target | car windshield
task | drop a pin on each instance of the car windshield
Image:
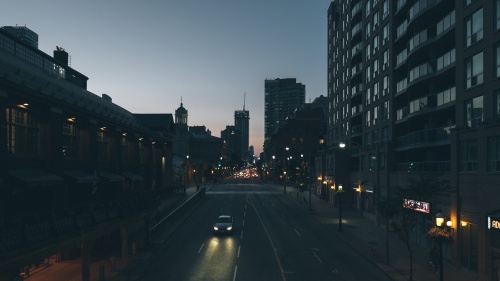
(224, 220)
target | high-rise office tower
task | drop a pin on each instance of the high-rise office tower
(282, 97)
(414, 92)
(241, 123)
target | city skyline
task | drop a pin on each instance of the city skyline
(146, 57)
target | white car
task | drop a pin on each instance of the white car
(224, 224)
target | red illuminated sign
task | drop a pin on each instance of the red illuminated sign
(416, 205)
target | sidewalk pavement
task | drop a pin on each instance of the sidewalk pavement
(72, 270)
(364, 236)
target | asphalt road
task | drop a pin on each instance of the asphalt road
(273, 239)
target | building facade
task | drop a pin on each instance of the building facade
(413, 90)
(69, 160)
(281, 98)
(242, 123)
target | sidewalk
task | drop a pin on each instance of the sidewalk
(367, 238)
(72, 270)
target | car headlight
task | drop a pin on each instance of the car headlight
(216, 228)
(229, 228)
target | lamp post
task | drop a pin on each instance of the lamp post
(343, 145)
(339, 194)
(439, 223)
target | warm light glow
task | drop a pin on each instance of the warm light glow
(140, 139)
(103, 128)
(439, 219)
(319, 178)
(332, 187)
(340, 187)
(72, 119)
(124, 134)
(449, 223)
(463, 223)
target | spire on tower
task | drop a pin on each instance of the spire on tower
(244, 96)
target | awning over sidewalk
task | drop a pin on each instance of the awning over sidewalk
(80, 177)
(110, 177)
(35, 177)
(132, 177)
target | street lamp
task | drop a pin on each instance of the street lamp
(439, 223)
(342, 145)
(339, 194)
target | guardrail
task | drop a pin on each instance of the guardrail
(180, 210)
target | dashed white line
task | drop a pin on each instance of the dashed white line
(320, 261)
(297, 232)
(202, 245)
(244, 213)
(235, 271)
(239, 248)
(241, 236)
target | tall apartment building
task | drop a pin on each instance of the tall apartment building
(282, 97)
(413, 90)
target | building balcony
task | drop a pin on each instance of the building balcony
(424, 138)
(423, 167)
(425, 103)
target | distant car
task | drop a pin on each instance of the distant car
(224, 224)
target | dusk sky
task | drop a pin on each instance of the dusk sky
(148, 54)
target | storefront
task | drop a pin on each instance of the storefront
(493, 228)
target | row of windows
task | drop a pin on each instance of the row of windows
(25, 135)
(30, 56)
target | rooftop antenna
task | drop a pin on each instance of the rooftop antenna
(244, 96)
(181, 100)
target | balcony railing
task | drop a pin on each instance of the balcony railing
(424, 137)
(417, 167)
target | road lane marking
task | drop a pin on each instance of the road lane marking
(245, 214)
(297, 232)
(243, 222)
(235, 271)
(320, 261)
(274, 205)
(270, 241)
(202, 245)
(335, 271)
(239, 248)
(241, 237)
